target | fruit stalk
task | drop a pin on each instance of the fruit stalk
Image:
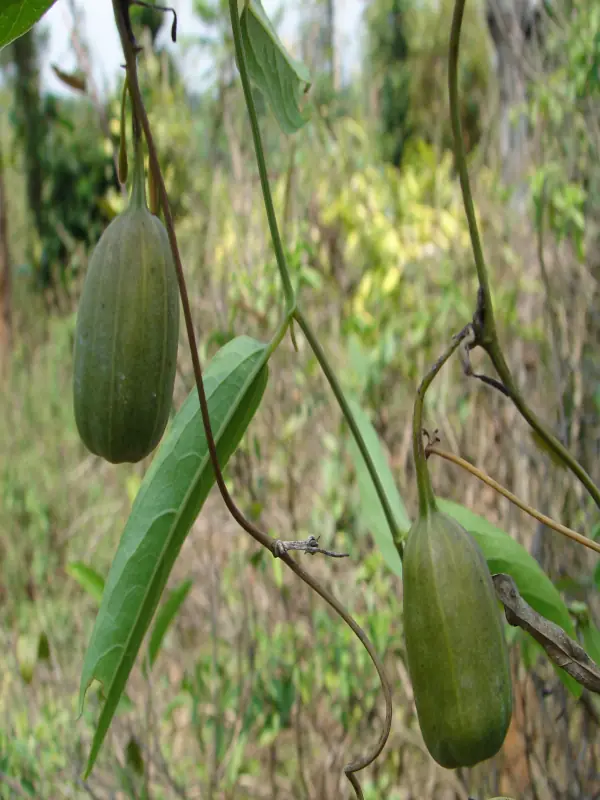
(455, 646)
(427, 502)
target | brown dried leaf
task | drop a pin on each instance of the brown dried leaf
(560, 648)
(76, 80)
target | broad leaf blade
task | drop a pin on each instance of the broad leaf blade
(504, 554)
(170, 497)
(89, 580)
(591, 640)
(18, 16)
(281, 78)
(532, 650)
(164, 618)
(370, 511)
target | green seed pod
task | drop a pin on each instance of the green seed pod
(457, 653)
(126, 334)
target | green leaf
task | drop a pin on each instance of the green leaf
(170, 497)
(89, 580)
(281, 78)
(370, 511)
(133, 756)
(504, 554)
(591, 640)
(18, 16)
(164, 618)
(533, 649)
(43, 647)
(597, 575)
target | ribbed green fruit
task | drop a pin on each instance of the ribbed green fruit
(126, 335)
(457, 653)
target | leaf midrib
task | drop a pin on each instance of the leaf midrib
(135, 627)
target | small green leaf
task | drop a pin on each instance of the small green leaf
(133, 756)
(281, 78)
(170, 497)
(43, 652)
(504, 554)
(164, 618)
(18, 16)
(89, 580)
(370, 511)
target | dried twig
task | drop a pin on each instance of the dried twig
(431, 449)
(560, 648)
(310, 546)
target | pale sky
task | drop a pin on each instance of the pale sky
(106, 53)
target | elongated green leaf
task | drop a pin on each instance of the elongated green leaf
(164, 618)
(591, 640)
(170, 497)
(370, 511)
(18, 16)
(281, 78)
(532, 650)
(504, 554)
(597, 575)
(89, 580)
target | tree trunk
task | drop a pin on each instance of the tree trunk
(30, 125)
(512, 25)
(318, 49)
(330, 42)
(5, 280)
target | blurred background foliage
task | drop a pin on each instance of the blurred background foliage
(258, 692)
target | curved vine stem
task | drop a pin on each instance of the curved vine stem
(427, 502)
(359, 763)
(487, 336)
(293, 308)
(315, 345)
(129, 48)
(288, 290)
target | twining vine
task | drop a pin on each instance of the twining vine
(484, 325)
(481, 332)
(277, 548)
(431, 628)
